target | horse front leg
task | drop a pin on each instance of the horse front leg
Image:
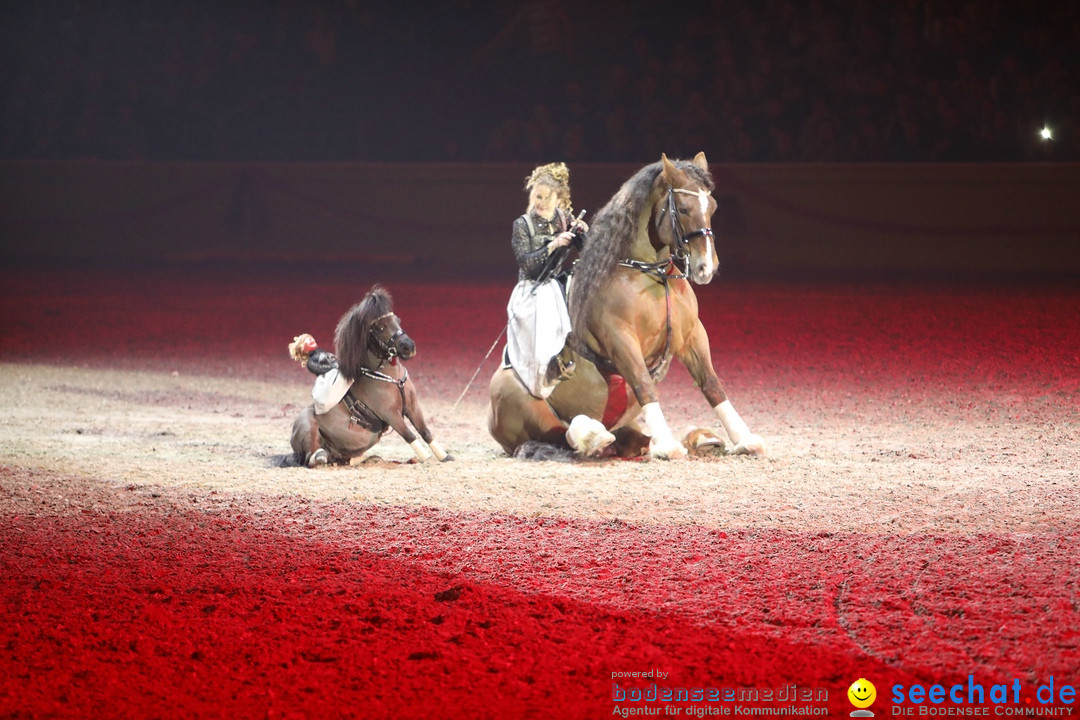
(419, 447)
(631, 365)
(416, 416)
(390, 406)
(698, 361)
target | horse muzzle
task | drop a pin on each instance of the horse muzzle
(405, 347)
(701, 272)
(700, 251)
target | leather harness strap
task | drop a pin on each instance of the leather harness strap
(361, 414)
(664, 272)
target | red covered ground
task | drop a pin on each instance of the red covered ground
(148, 602)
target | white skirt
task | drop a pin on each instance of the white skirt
(328, 390)
(537, 326)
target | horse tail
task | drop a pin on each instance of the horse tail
(539, 451)
(294, 459)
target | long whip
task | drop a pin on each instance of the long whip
(552, 264)
(490, 350)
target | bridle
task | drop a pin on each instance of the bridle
(681, 251)
(385, 349)
(359, 412)
(663, 272)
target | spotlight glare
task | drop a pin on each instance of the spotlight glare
(1045, 134)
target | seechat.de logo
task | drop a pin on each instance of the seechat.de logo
(862, 694)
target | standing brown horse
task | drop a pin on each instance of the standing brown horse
(632, 310)
(375, 395)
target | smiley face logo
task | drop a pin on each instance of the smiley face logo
(862, 693)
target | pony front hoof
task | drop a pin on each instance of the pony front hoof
(667, 451)
(318, 458)
(588, 436)
(751, 445)
(447, 458)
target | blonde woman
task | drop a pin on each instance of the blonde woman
(537, 315)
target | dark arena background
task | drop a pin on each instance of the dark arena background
(187, 186)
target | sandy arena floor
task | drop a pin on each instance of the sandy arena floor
(915, 520)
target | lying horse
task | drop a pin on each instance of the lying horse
(362, 392)
(632, 309)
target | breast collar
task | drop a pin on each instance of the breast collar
(360, 413)
(664, 272)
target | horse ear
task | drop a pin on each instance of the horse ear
(668, 167)
(700, 161)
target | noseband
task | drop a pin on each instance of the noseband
(681, 250)
(386, 349)
(662, 273)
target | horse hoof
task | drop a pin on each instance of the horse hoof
(317, 458)
(751, 445)
(704, 442)
(447, 458)
(588, 436)
(674, 451)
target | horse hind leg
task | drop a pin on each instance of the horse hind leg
(587, 436)
(630, 442)
(512, 430)
(306, 444)
(515, 417)
(705, 442)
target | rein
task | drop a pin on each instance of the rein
(682, 239)
(383, 377)
(658, 270)
(661, 272)
(359, 412)
(388, 347)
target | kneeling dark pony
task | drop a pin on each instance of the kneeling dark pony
(362, 391)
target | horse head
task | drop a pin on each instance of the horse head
(388, 340)
(369, 334)
(682, 216)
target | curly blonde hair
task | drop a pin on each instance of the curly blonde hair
(554, 175)
(300, 348)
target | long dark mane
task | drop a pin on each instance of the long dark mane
(354, 327)
(612, 233)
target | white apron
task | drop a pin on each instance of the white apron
(328, 390)
(537, 326)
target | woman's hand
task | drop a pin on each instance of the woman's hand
(561, 240)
